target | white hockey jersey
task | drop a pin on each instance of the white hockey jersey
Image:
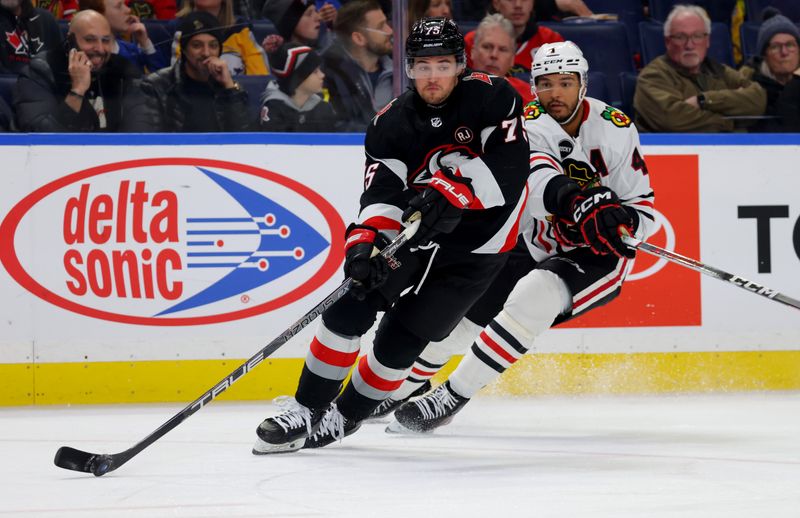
(606, 152)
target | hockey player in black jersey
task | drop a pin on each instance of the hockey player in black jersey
(452, 150)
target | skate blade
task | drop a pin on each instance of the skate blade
(265, 448)
(396, 427)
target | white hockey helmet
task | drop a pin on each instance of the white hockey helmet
(562, 57)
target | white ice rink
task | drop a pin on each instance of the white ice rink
(677, 456)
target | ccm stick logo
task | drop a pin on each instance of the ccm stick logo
(752, 286)
(171, 241)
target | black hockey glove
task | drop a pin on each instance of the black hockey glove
(367, 272)
(567, 233)
(440, 205)
(599, 215)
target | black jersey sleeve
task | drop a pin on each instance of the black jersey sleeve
(499, 174)
(385, 172)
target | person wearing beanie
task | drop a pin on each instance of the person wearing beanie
(296, 20)
(775, 68)
(240, 50)
(197, 94)
(292, 102)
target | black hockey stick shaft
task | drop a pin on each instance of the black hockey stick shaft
(100, 464)
(696, 265)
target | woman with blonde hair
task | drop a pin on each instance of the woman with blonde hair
(239, 49)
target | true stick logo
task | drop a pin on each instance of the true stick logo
(172, 241)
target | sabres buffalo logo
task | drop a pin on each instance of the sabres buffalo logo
(581, 172)
(533, 110)
(446, 155)
(616, 117)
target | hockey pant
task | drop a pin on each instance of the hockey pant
(526, 299)
(444, 285)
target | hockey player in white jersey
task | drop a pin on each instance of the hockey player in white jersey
(588, 183)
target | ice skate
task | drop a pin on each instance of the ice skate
(333, 427)
(428, 412)
(388, 406)
(288, 430)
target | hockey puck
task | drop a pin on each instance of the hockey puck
(101, 465)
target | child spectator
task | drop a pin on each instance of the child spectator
(125, 26)
(293, 103)
(296, 20)
(239, 50)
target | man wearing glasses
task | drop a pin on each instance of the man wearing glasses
(358, 64)
(684, 90)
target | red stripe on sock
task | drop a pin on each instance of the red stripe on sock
(426, 374)
(494, 346)
(375, 381)
(603, 287)
(331, 356)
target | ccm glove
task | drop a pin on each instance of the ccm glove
(599, 215)
(440, 205)
(367, 272)
(567, 233)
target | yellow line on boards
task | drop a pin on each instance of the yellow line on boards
(540, 374)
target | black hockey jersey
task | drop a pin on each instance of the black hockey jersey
(478, 132)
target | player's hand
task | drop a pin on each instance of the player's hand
(599, 215)
(79, 68)
(218, 70)
(567, 233)
(367, 271)
(440, 205)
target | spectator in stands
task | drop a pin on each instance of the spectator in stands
(493, 52)
(293, 103)
(239, 50)
(82, 88)
(25, 30)
(418, 9)
(357, 65)
(6, 117)
(296, 20)
(153, 9)
(197, 93)
(125, 26)
(529, 35)
(60, 9)
(686, 91)
(556, 10)
(776, 68)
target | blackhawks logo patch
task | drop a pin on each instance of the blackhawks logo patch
(616, 117)
(533, 110)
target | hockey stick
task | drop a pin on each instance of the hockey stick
(696, 265)
(100, 464)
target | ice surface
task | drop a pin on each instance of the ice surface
(727, 455)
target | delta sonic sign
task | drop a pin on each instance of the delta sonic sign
(172, 241)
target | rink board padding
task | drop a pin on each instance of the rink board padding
(138, 268)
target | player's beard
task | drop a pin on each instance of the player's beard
(566, 111)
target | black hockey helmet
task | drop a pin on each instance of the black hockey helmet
(434, 37)
(437, 36)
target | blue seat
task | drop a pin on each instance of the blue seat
(789, 8)
(597, 86)
(652, 35)
(748, 33)
(718, 10)
(262, 28)
(627, 85)
(7, 82)
(161, 34)
(630, 13)
(254, 86)
(605, 46)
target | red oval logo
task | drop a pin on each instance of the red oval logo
(174, 241)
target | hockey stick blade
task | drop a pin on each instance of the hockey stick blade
(99, 464)
(694, 264)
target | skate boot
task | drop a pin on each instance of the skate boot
(288, 430)
(333, 427)
(388, 406)
(428, 412)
